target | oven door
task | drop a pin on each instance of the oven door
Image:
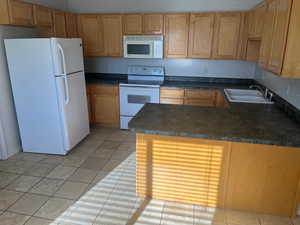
(132, 99)
(138, 49)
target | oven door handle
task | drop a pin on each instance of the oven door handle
(139, 86)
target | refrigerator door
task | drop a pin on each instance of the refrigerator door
(67, 55)
(73, 107)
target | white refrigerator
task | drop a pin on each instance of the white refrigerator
(49, 90)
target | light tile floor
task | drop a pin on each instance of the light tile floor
(95, 185)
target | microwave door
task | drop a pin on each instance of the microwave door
(139, 49)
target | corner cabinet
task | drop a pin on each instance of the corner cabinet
(227, 39)
(16, 13)
(176, 35)
(280, 51)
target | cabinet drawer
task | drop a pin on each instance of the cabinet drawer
(171, 93)
(174, 101)
(200, 94)
(103, 89)
(200, 102)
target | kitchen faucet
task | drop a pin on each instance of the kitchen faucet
(267, 94)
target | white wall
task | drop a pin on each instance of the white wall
(99, 6)
(175, 67)
(288, 89)
(8, 122)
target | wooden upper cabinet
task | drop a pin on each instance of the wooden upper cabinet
(227, 35)
(153, 24)
(267, 35)
(91, 31)
(176, 35)
(279, 35)
(291, 66)
(59, 24)
(251, 23)
(71, 25)
(133, 23)
(256, 21)
(201, 35)
(260, 12)
(16, 13)
(112, 35)
(42, 16)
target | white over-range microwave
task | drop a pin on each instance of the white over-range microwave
(144, 46)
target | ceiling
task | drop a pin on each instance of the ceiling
(123, 6)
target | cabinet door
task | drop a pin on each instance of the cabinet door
(21, 13)
(176, 38)
(227, 35)
(133, 24)
(201, 35)
(268, 174)
(71, 25)
(200, 97)
(91, 31)
(259, 19)
(291, 68)
(42, 16)
(172, 96)
(153, 24)
(251, 16)
(105, 109)
(279, 37)
(112, 31)
(267, 34)
(59, 22)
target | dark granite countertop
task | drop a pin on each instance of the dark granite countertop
(175, 82)
(250, 123)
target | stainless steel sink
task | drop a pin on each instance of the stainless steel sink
(246, 96)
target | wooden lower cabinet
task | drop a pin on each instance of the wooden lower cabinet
(104, 105)
(264, 179)
(241, 176)
(195, 97)
(200, 97)
(182, 169)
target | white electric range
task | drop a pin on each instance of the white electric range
(143, 87)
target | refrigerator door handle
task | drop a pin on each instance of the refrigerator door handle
(66, 84)
(64, 74)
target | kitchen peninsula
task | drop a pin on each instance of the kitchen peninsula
(244, 157)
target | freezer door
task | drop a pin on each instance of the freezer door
(73, 107)
(67, 55)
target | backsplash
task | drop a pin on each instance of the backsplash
(175, 67)
(288, 89)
